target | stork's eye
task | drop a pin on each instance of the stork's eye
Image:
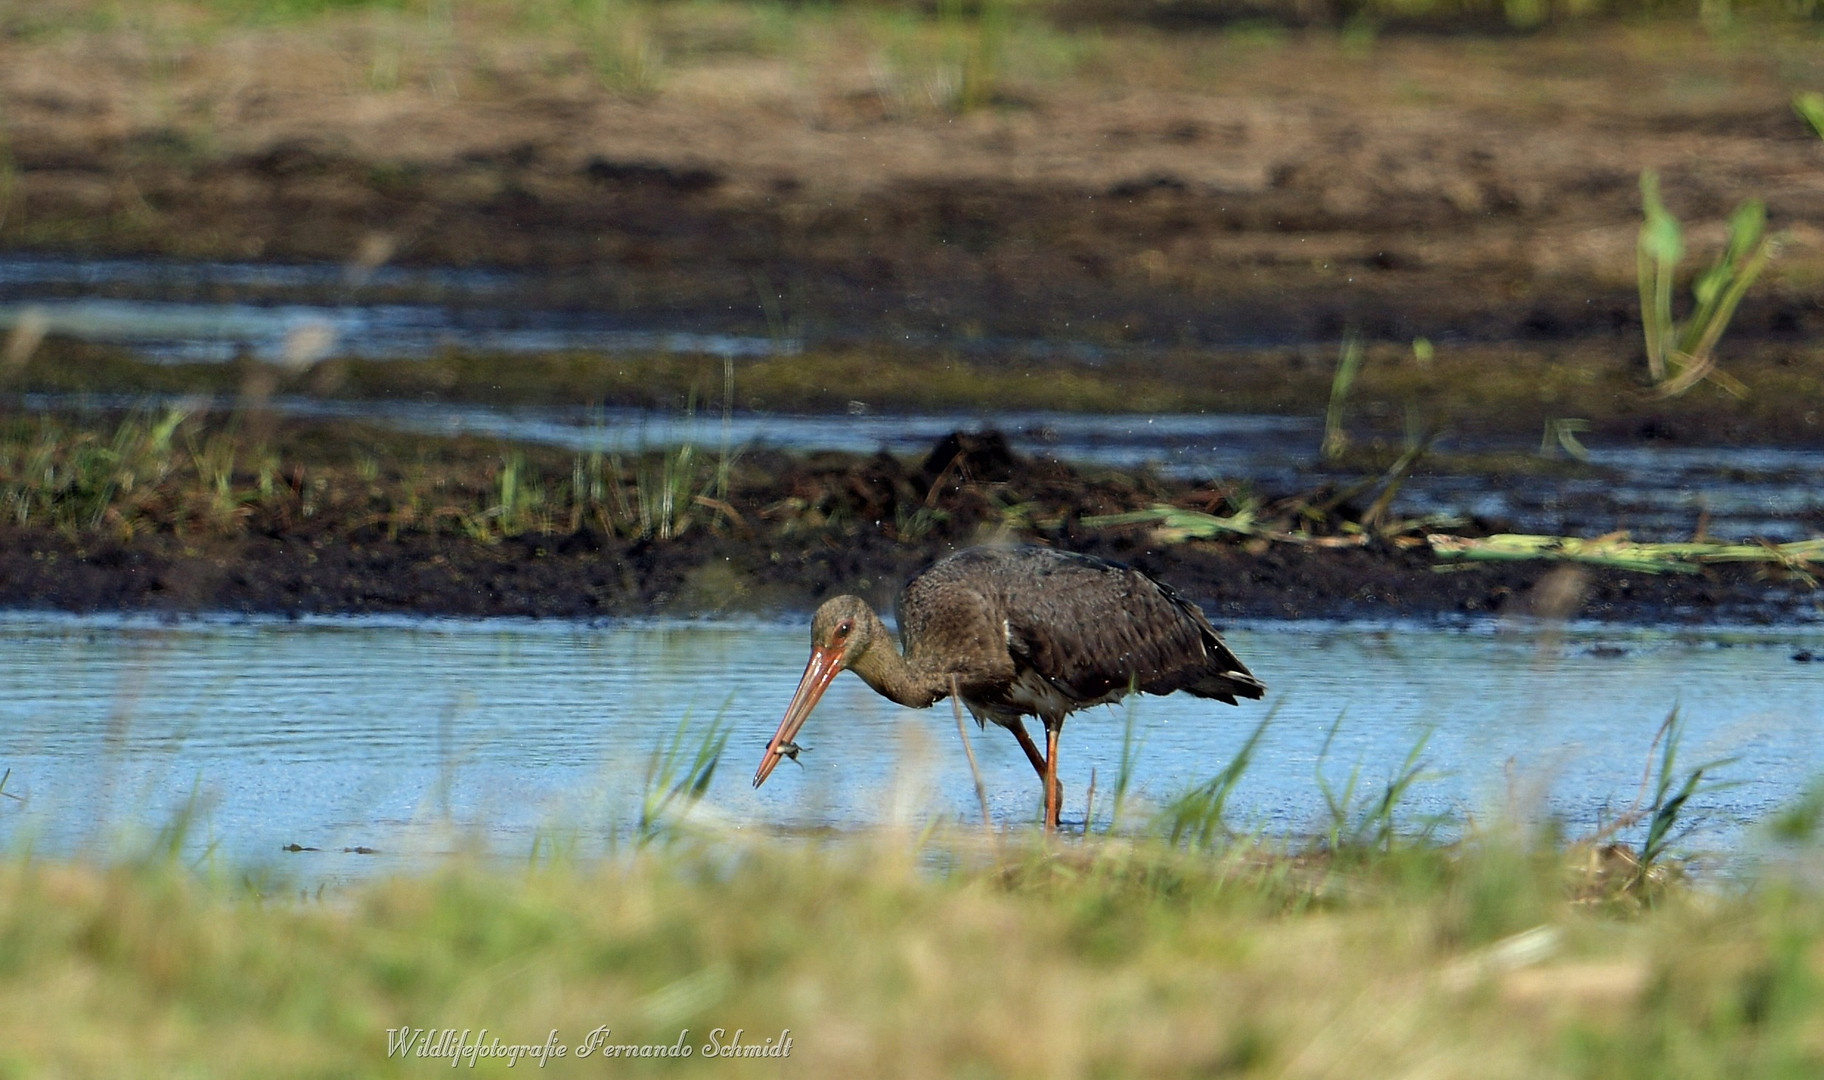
(843, 628)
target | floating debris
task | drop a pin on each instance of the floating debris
(1615, 550)
(1172, 525)
(1175, 524)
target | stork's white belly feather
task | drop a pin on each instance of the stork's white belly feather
(1032, 694)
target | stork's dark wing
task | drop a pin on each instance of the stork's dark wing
(1093, 627)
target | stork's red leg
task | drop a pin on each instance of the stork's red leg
(1032, 752)
(1053, 797)
(1018, 727)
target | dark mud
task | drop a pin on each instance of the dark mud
(800, 530)
(588, 577)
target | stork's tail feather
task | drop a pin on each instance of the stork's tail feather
(1229, 685)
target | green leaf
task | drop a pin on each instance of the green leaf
(1809, 104)
(1710, 284)
(1746, 227)
(1661, 236)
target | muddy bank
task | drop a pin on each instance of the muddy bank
(587, 577)
(341, 519)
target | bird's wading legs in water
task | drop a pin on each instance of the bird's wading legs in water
(1018, 727)
(1054, 794)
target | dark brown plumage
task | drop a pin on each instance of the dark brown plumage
(1020, 632)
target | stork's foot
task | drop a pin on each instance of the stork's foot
(1049, 813)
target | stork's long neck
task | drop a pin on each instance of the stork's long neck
(909, 682)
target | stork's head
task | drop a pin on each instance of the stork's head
(842, 631)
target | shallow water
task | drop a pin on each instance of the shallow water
(417, 737)
(218, 332)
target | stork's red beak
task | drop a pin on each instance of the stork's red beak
(824, 666)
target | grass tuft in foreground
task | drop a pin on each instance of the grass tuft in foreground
(1110, 957)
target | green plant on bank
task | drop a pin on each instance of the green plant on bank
(1348, 365)
(912, 524)
(52, 476)
(1681, 354)
(1809, 104)
(213, 459)
(951, 65)
(666, 496)
(173, 469)
(518, 508)
(617, 38)
(976, 46)
(657, 496)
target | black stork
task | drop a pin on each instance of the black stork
(1017, 632)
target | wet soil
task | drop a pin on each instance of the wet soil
(1193, 189)
(587, 577)
(791, 532)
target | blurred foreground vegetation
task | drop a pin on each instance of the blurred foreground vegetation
(899, 956)
(586, 14)
(1181, 946)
